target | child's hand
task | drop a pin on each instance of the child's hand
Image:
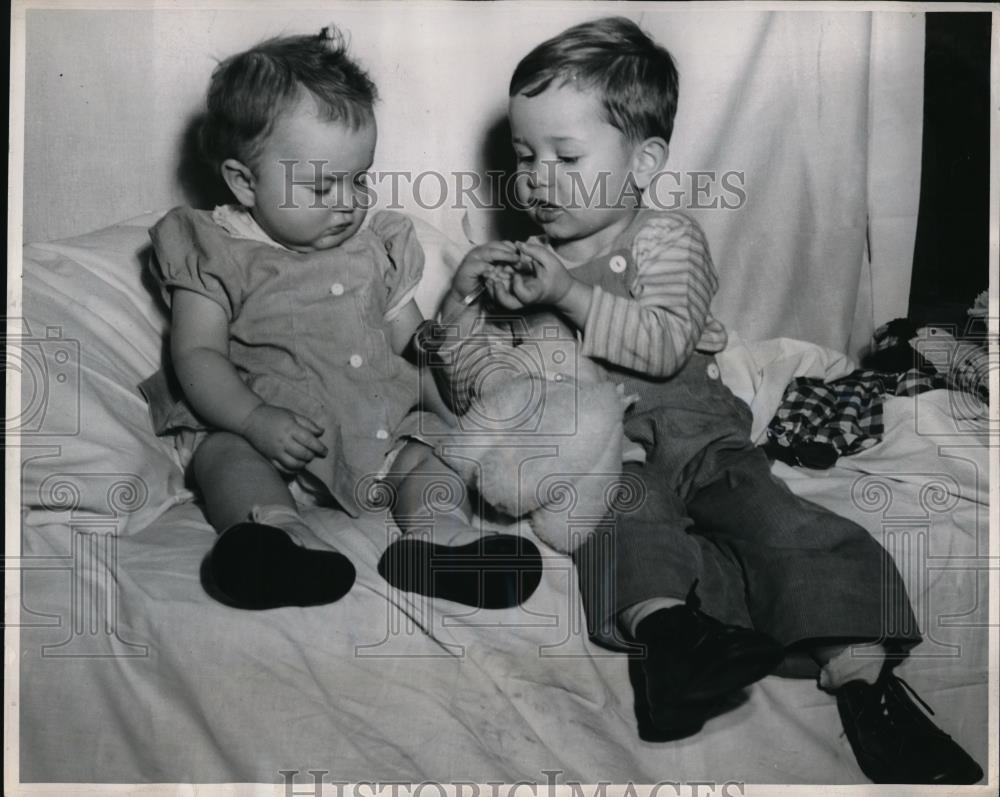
(539, 277)
(480, 264)
(289, 440)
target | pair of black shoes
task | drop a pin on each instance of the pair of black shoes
(256, 566)
(694, 664)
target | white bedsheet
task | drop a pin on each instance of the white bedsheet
(130, 673)
(384, 687)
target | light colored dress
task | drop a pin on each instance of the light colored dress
(308, 332)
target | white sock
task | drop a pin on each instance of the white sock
(863, 664)
(289, 520)
(629, 619)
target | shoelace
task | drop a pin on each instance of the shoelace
(913, 693)
(692, 601)
(891, 694)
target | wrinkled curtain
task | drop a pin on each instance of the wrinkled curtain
(813, 116)
(822, 113)
(797, 147)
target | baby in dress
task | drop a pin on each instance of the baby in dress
(291, 328)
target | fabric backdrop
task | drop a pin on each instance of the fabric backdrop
(819, 113)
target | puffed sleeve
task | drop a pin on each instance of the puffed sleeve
(406, 259)
(192, 252)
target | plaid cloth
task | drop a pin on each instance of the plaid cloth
(818, 421)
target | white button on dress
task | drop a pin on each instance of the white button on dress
(356, 361)
(617, 264)
(337, 289)
(382, 434)
(712, 371)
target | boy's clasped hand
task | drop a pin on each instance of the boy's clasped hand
(516, 274)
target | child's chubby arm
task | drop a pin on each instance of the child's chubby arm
(450, 346)
(401, 332)
(199, 349)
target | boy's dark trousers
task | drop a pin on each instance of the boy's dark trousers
(711, 510)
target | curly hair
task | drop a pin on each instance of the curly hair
(250, 90)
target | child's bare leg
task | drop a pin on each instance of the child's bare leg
(239, 484)
(266, 556)
(417, 477)
(441, 553)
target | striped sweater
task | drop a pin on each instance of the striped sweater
(652, 332)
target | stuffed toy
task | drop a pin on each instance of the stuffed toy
(540, 432)
(558, 463)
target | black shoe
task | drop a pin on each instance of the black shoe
(497, 571)
(693, 662)
(894, 741)
(255, 566)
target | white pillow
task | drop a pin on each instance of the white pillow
(441, 259)
(94, 328)
(759, 371)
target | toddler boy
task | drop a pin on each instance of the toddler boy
(591, 114)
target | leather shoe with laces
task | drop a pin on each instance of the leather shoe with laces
(894, 741)
(693, 661)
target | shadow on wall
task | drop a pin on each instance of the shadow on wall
(501, 219)
(202, 185)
